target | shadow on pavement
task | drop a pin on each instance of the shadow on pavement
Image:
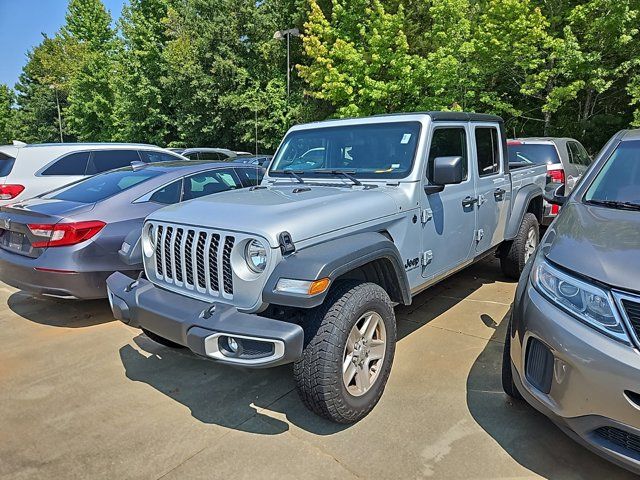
(60, 312)
(231, 396)
(526, 435)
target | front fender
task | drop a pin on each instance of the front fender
(331, 260)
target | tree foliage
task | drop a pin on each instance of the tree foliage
(209, 72)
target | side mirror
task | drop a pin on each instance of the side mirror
(446, 171)
(554, 194)
(131, 251)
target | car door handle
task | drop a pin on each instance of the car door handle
(499, 192)
(469, 201)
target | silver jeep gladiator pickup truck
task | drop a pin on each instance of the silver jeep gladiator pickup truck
(352, 217)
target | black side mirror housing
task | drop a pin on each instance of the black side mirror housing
(554, 194)
(446, 171)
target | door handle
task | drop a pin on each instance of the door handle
(469, 201)
(499, 192)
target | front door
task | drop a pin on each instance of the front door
(493, 186)
(448, 219)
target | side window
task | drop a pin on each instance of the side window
(191, 156)
(250, 177)
(207, 183)
(583, 156)
(150, 156)
(488, 151)
(103, 160)
(215, 156)
(168, 194)
(574, 157)
(448, 142)
(72, 164)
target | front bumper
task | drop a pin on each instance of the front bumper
(593, 381)
(204, 327)
(20, 272)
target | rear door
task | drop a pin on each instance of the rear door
(448, 218)
(572, 168)
(493, 186)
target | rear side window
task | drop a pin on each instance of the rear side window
(448, 142)
(152, 156)
(532, 153)
(488, 151)
(72, 164)
(103, 160)
(101, 187)
(168, 194)
(211, 156)
(6, 164)
(207, 183)
(577, 154)
(250, 177)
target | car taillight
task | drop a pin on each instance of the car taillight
(556, 176)
(7, 192)
(61, 234)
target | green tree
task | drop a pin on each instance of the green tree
(6, 114)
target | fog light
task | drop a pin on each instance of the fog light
(233, 344)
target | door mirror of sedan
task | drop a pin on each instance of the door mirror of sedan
(446, 171)
(554, 194)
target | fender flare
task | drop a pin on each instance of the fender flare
(331, 260)
(520, 204)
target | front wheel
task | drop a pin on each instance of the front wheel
(349, 347)
(521, 248)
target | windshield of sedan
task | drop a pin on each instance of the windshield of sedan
(380, 150)
(618, 183)
(103, 186)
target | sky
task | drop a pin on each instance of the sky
(22, 23)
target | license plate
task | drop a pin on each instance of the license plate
(15, 240)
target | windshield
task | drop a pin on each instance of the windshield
(619, 179)
(532, 153)
(100, 187)
(380, 150)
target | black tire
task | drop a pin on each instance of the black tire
(161, 340)
(508, 384)
(512, 260)
(318, 374)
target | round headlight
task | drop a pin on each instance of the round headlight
(256, 256)
(148, 244)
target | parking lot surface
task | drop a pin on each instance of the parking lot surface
(84, 396)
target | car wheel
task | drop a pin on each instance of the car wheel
(161, 340)
(508, 384)
(521, 248)
(349, 348)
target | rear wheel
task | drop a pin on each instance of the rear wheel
(521, 248)
(349, 349)
(161, 340)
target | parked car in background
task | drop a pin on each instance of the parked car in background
(306, 267)
(566, 160)
(40, 168)
(210, 154)
(65, 243)
(177, 150)
(261, 160)
(572, 344)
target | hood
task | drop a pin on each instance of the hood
(303, 210)
(598, 242)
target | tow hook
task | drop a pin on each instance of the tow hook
(133, 284)
(209, 311)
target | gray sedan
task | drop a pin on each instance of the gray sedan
(572, 347)
(65, 243)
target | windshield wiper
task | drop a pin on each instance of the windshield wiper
(616, 204)
(348, 174)
(293, 174)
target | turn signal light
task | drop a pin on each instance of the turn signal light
(318, 286)
(64, 234)
(8, 192)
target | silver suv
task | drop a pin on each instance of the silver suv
(352, 217)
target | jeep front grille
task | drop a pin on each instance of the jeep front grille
(191, 258)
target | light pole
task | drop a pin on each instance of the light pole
(280, 35)
(53, 87)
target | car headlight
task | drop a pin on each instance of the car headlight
(588, 303)
(256, 256)
(148, 241)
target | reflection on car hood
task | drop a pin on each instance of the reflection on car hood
(598, 242)
(303, 210)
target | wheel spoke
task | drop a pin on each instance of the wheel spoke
(349, 370)
(371, 327)
(365, 326)
(363, 382)
(354, 336)
(377, 350)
